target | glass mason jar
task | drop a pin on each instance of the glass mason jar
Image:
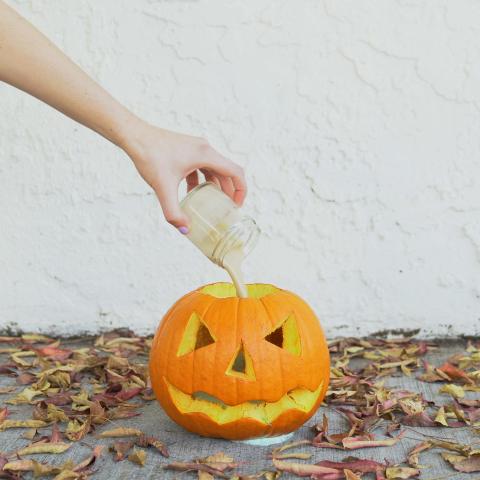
(217, 225)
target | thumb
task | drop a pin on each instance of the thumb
(168, 197)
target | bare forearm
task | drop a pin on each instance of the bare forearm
(29, 61)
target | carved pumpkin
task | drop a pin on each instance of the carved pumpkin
(236, 368)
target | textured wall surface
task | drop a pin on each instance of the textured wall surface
(358, 124)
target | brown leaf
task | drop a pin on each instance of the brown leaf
(401, 472)
(90, 460)
(148, 441)
(194, 466)
(455, 373)
(462, 464)
(47, 447)
(296, 455)
(351, 443)
(29, 434)
(25, 378)
(454, 447)
(18, 358)
(440, 417)
(205, 476)
(35, 338)
(59, 399)
(25, 396)
(54, 353)
(349, 475)
(3, 414)
(120, 432)
(128, 394)
(421, 419)
(305, 469)
(19, 466)
(453, 390)
(5, 390)
(121, 448)
(21, 424)
(138, 456)
(354, 464)
(97, 413)
(414, 453)
(219, 461)
(77, 429)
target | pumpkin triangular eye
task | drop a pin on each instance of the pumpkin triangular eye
(195, 336)
(286, 336)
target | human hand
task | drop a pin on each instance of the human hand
(164, 159)
(29, 61)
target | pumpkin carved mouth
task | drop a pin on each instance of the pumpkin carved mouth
(300, 399)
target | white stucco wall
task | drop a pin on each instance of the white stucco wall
(358, 123)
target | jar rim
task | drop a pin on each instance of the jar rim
(244, 233)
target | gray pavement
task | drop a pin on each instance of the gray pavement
(185, 446)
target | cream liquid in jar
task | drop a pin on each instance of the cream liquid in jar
(219, 230)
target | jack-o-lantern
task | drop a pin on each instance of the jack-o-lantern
(238, 368)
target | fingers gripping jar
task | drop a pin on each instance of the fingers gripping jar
(219, 230)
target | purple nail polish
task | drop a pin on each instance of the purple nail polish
(183, 230)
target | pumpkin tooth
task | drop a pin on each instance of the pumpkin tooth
(265, 412)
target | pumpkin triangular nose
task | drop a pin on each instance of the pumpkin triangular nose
(241, 365)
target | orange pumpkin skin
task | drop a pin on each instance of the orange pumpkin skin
(273, 366)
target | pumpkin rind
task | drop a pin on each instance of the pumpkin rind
(234, 324)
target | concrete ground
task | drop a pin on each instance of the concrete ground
(185, 446)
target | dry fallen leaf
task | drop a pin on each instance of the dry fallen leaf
(401, 472)
(149, 441)
(463, 464)
(120, 432)
(349, 475)
(57, 447)
(21, 424)
(121, 448)
(351, 443)
(219, 461)
(303, 469)
(454, 390)
(138, 456)
(205, 476)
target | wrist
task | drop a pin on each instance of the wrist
(127, 132)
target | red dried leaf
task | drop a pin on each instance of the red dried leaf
(366, 441)
(56, 435)
(26, 378)
(90, 460)
(3, 413)
(121, 449)
(54, 353)
(8, 369)
(128, 394)
(193, 466)
(59, 399)
(354, 464)
(149, 441)
(468, 465)
(455, 373)
(421, 419)
(307, 470)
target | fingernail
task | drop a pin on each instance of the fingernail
(183, 230)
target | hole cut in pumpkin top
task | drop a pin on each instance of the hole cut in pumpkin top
(227, 290)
